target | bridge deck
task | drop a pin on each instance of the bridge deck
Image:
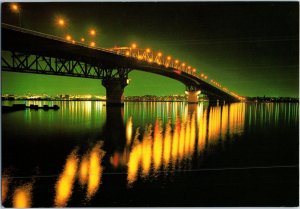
(17, 40)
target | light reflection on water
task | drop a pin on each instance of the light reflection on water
(75, 114)
(160, 138)
(22, 196)
(95, 170)
(174, 147)
(84, 170)
(89, 174)
(65, 182)
(4, 188)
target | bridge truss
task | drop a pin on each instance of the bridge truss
(29, 63)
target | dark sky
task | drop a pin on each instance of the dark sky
(251, 48)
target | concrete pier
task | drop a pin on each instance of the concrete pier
(193, 96)
(114, 91)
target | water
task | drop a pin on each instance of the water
(150, 154)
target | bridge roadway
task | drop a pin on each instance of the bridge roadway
(34, 52)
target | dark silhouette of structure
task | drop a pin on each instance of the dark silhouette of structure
(28, 51)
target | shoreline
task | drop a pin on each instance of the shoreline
(102, 100)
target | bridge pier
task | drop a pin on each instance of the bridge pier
(192, 96)
(213, 100)
(114, 91)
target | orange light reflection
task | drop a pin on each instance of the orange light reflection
(64, 184)
(22, 196)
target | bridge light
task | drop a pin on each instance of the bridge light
(202, 75)
(82, 40)
(140, 57)
(159, 54)
(127, 53)
(189, 67)
(73, 42)
(183, 64)
(69, 38)
(169, 58)
(14, 7)
(92, 44)
(133, 45)
(205, 77)
(176, 61)
(150, 60)
(92, 32)
(194, 70)
(61, 22)
(148, 50)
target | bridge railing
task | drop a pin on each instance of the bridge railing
(112, 51)
(53, 37)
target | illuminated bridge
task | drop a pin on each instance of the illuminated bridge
(29, 51)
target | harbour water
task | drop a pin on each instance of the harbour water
(150, 154)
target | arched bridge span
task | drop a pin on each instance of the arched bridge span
(33, 52)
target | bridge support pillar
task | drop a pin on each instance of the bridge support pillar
(114, 91)
(214, 100)
(192, 96)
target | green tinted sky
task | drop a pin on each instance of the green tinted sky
(251, 48)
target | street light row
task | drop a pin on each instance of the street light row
(167, 61)
(82, 40)
(61, 22)
(92, 32)
(155, 57)
(218, 85)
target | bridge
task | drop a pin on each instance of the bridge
(28, 51)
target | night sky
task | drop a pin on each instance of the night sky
(251, 48)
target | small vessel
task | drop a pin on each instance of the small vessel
(16, 107)
(45, 107)
(35, 107)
